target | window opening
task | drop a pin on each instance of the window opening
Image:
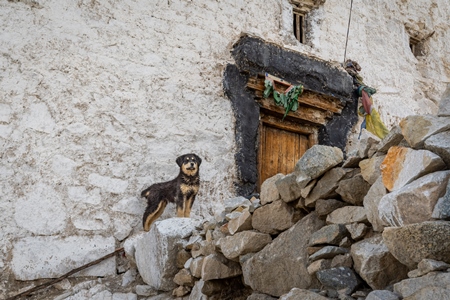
(299, 26)
(415, 46)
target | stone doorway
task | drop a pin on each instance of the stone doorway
(326, 115)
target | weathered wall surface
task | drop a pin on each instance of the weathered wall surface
(97, 99)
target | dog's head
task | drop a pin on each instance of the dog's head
(189, 163)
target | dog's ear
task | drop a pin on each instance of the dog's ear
(180, 160)
(199, 160)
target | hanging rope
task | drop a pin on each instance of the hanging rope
(348, 29)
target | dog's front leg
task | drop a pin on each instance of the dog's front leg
(187, 210)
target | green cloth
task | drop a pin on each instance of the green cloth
(288, 99)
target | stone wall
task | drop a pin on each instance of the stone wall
(97, 99)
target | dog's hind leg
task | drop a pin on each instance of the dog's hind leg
(150, 215)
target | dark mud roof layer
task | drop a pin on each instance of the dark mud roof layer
(255, 56)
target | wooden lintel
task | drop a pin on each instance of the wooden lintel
(308, 97)
(288, 125)
(303, 113)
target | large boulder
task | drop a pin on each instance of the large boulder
(416, 129)
(242, 243)
(408, 287)
(347, 215)
(216, 266)
(269, 190)
(327, 185)
(317, 160)
(412, 243)
(371, 201)
(375, 264)
(297, 293)
(414, 202)
(157, 250)
(339, 278)
(442, 207)
(444, 105)
(274, 217)
(403, 165)
(353, 190)
(370, 168)
(440, 144)
(282, 264)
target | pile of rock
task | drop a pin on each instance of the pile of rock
(374, 226)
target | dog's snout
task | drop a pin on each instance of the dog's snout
(192, 163)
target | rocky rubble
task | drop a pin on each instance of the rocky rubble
(373, 226)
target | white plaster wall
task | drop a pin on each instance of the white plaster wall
(98, 98)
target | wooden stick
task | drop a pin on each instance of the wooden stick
(55, 280)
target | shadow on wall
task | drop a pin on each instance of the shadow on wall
(255, 56)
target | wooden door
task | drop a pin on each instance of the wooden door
(279, 150)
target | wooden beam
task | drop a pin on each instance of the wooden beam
(308, 97)
(304, 113)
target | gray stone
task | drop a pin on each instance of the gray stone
(273, 218)
(414, 202)
(184, 277)
(382, 295)
(393, 138)
(368, 143)
(269, 191)
(444, 104)
(196, 293)
(375, 264)
(327, 206)
(282, 264)
(408, 287)
(371, 203)
(51, 256)
(260, 296)
(233, 203)
(317, 160)
(442, 208)
(342, 260)
(440, 144)
(242, 243)
(412, 243)
(216, 266)
(327, 185)
(308, 188)
(370, 168)
(347, 215)
(145, 290)
(331, 234)
(356, 230)
(241, 223)
(288, 188)
(339, 278)
(432, 292)
(353, 190)
(403, 165)
(417, 128)
(351, 162)
(196, 267)
(124, 296)
(156, 262)
(327, 252)
(297, 293)
(318, 265)
(426, 266)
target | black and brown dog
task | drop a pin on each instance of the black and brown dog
(181, 191)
